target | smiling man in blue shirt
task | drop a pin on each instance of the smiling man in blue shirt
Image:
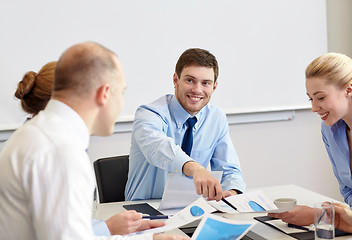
(159, 129)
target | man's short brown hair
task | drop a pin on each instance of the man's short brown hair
(197, 56)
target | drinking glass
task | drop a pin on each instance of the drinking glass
(324, 219)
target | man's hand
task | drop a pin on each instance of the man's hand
(205, 183)
(229, 193)
(299, 215)
(128, 222)
(148, 224)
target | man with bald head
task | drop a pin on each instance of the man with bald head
(46, 178)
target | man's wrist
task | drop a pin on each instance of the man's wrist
(190, 167)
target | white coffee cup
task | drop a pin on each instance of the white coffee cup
(285, 204)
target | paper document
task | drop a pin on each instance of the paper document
(216, 227)
(192, 212)
(255, 201)
(180, 191)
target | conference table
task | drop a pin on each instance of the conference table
(302, 195)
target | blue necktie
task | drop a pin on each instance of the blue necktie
(188, 138)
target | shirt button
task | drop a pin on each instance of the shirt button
(162, 165)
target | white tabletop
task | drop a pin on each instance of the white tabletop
(303, 196)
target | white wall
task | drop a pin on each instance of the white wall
(271, 153)
(286, 152)
(339, 26)
(149, 36)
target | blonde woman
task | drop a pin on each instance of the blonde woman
(329, 88)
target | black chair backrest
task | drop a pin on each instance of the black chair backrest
(111, 175)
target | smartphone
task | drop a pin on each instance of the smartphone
(144, 208)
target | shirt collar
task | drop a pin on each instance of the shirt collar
(181, 115)
(73, 119)
(338, 125)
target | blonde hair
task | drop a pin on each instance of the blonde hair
(335, 68)
(35, 89)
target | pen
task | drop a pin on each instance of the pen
(321, 216)
(298, 227)
(324, 211)
(228, 203)
(152, 217)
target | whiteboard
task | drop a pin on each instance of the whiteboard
(262, 47)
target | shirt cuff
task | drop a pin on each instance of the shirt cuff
(100, 228)
(177, 163)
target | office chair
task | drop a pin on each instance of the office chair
(111, 176)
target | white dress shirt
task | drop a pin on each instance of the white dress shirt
(46, 179)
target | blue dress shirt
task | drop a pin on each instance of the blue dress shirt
(336, 145)
(100, 228)
(157, 135)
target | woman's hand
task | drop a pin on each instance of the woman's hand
(300, 215)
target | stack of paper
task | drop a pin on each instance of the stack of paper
(180, 191)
